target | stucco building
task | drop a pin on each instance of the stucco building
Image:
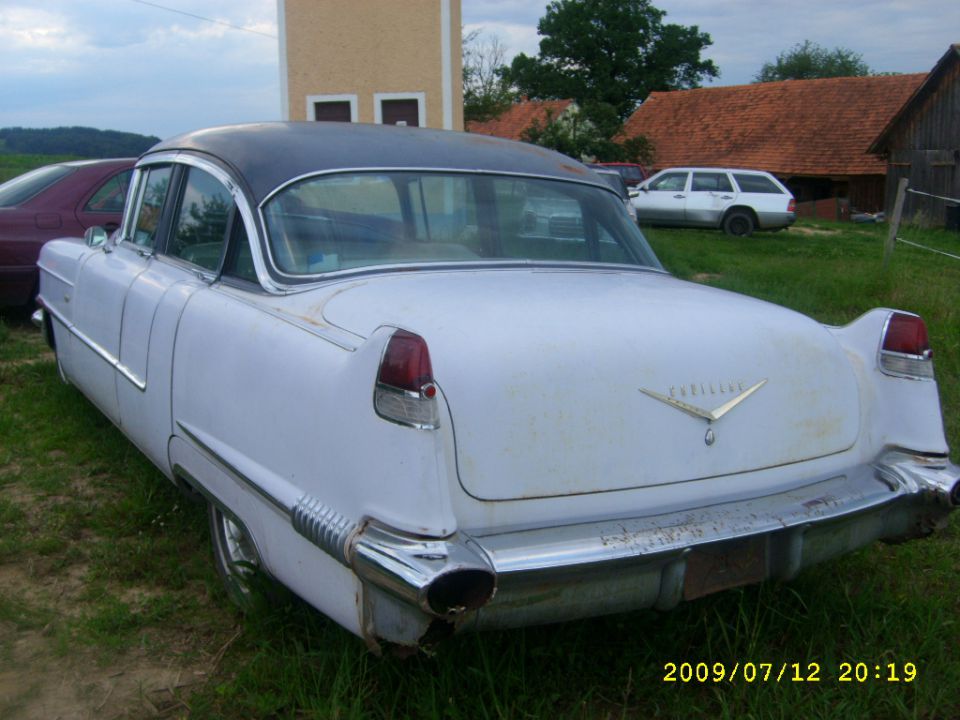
(375, 61)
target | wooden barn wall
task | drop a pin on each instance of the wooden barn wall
(867, 192)
(925, 149)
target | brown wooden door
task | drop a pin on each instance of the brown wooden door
(394, 111)
(338, 111)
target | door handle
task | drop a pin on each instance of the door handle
(679, 197)
(726, 197)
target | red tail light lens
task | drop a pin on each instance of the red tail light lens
(406, 363)
(905, 351)
(406, 392)
(907, 334)
(792, 205)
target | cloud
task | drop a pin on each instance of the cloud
(127, 66)
(124, 65)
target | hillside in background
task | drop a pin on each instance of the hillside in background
(75, 141)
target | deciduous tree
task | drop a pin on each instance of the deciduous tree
(610, 52)
(807, 60)
(486, 92)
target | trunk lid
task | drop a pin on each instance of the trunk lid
(563, 382)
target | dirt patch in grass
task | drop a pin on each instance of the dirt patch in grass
(77, 645)
(705, 277)
(45, 673)
(38, 683)
(808, 230)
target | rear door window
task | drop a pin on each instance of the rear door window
(200, 229)
(110, 196)
(711, 182)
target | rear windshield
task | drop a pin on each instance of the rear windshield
(756, 184)
(352, 220)
(20, 189)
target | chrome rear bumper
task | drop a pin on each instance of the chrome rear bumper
(560, 573)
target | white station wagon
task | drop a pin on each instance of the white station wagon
(435, 382)
(737, 201)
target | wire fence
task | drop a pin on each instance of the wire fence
(912, 243)
(931, 195)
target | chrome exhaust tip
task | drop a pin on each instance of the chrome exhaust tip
(459, 591)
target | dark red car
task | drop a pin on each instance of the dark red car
(54, 201)
(633, 174)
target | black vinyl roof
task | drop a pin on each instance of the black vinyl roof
(267, 155)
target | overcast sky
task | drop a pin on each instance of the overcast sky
(128, 65)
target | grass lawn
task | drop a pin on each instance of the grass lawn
(109, 602)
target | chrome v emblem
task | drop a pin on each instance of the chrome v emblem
(708, 415)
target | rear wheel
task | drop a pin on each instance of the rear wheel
(235, 556)
(738, 223)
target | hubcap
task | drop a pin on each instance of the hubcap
(236, 544)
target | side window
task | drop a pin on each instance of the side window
(239, 263)
(757, 184)
(111, 195)
(713, 182)
(200, 228)
(672, 182)
(152, 194)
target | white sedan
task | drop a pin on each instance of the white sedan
(433, 382)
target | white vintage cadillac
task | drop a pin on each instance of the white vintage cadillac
(434, 382)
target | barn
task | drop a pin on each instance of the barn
(922, 143)
(812, 134)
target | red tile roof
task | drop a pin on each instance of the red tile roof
(512, 123)
(792, 127)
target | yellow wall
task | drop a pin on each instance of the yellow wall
(363, 47)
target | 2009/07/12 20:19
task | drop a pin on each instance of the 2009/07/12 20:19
(750, 672)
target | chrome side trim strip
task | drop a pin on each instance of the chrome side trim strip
(329, 333)
(104, 354)
(55, 274)
(404, 565)
(232, 470)
(180, 472)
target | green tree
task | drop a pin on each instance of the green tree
(486, 91)
(610, 52)
(807, 60)
(590, 135)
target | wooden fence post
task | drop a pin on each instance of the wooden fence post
(895, 221)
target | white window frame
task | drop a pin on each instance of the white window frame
(420, 97)
(352, 99)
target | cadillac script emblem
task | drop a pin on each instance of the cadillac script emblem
(703, 389)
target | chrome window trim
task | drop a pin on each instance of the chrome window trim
(307, 280)
(247, 215)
